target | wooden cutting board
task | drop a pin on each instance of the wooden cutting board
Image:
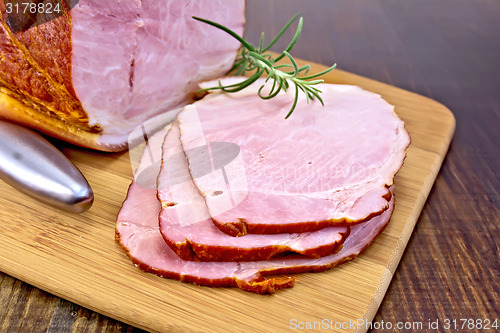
(76, 256)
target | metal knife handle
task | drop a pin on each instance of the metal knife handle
(32, 165)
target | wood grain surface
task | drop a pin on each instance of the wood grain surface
(446, 50)
(75, 256)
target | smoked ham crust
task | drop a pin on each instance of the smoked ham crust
(35, 86)
(98, 71)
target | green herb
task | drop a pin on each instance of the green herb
(256, 59)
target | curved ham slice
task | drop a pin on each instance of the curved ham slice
(361, 237)
(137, 231)
(138, 234)
(323, 166)
(186, 226)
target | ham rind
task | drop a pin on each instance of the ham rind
(323, 166)
(98, 71)
(186, 226)
(137, 231)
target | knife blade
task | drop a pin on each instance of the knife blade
(31, 164)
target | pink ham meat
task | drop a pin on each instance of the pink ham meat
(146, 56)
(188, 229)
(361, 237)
(100, 70)
(323, 166)
(137, 232)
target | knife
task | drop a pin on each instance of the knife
(31, 164)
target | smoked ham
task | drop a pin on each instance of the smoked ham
(95, 73)
(188, 229)
(137, 231)
(323, 166)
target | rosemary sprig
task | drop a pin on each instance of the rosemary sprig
(255, 59)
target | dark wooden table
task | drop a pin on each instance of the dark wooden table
(448, 50)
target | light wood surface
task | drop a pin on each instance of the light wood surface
(77, 258)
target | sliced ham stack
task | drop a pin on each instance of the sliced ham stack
(324, 166)
(242, 193)
(186, 225)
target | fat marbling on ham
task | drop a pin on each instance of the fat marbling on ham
(188, 229)
(324, 166)
(137, 231)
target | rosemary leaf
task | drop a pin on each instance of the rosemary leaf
(285, 28)
(254, 59)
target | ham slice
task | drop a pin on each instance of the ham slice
(95, 73)
(188, 229)
(323, 166)
(137, 231)
(361, 237)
